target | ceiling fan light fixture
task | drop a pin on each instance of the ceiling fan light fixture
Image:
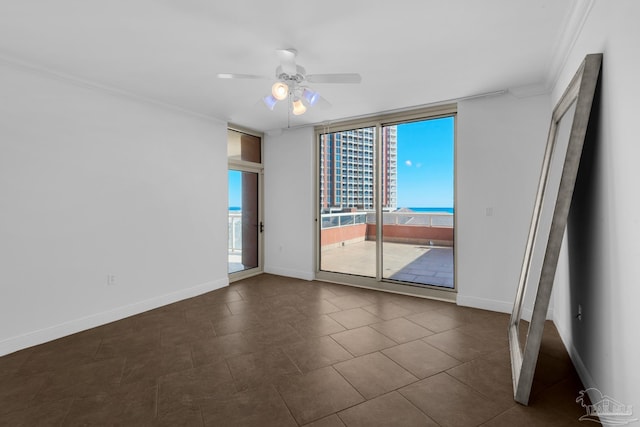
(270, 101)
(280, 90)
(310, 96)
(291, 83)
(298, 107)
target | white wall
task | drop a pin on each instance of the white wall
(602, 270)
(500, 145)
(95, 184)
(289, 203)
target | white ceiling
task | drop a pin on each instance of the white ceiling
(409, 52)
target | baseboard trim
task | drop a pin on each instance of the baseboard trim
(585, 376)
(44, 335)
(497, 305)
(297, 274)
(485, 304)
(581, 369)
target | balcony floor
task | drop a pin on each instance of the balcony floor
(426, 265)
(235, 262)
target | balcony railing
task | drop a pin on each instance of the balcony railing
(235, 232)
(343, 219)
(424, 219)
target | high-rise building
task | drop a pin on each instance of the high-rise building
(347, 169)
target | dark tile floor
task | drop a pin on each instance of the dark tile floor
(274, 351)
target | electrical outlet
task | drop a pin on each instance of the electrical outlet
(111, 280)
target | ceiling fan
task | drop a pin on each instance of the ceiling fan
(292, 82)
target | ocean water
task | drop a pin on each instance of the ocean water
(433, 210)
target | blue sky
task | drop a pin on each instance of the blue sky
(425, 163)
(235, 184)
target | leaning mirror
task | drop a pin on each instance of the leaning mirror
(553, 199)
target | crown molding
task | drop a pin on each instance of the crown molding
(573, 23)
(529, 91)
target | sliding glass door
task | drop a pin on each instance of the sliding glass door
(386, 202)
(347, 201)
(417, 236)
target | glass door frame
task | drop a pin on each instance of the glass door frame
(257, 168)
(379, 282)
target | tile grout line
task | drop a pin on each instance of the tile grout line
(348, 407)
(341, 346)
(412, 404)
(285, 404)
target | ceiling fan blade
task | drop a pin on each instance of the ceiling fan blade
(287, 59)
(334, 78)
(239, 76)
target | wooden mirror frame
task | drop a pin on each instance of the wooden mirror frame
(580, 92)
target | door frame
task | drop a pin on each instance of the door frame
(257, 168)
